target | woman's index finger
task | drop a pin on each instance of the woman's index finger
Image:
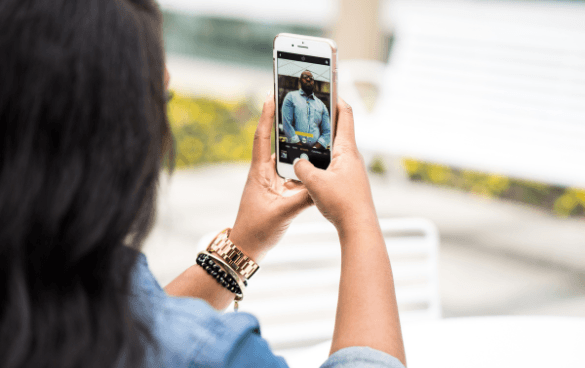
(262, 144)
(345, 132)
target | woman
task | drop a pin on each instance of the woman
(84, 138)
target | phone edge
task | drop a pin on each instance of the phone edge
(333, 102)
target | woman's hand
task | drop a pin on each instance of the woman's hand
(269, 203)
(367, 312)
(342, 192)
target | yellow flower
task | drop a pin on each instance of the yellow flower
(497, 183)
(182, 111)
(439, 174)
(231, 148)
(579, 195)
(249, 130)
(565, 204)
(207, 118)
(189, 151)
(412, 166)
(472, 176)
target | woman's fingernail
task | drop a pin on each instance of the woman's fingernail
(295, 161)
(268, 96)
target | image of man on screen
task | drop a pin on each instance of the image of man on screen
(305, 117)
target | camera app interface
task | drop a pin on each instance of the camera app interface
(304, 121)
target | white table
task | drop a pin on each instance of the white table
(478, 342)
(500, 341)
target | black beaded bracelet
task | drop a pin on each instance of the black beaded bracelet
(222, 277)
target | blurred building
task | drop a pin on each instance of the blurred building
(224, 48)
(227, 44)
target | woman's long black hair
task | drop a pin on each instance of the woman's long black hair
(83, 134)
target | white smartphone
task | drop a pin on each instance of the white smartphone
(305, 85)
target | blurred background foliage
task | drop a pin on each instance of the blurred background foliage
(211, 131)
(563, 202)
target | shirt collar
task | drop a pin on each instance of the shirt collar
(304, 94)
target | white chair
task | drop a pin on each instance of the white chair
(294, 295)
(483, 85)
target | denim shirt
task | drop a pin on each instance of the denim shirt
(307, 115)
(190, 333)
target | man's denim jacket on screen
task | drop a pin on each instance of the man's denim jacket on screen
(308, 115)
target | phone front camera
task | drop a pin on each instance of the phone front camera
(293, 45)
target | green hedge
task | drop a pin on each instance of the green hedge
(211, 131)
(563, 202)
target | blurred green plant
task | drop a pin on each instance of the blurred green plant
(570, 203)
(564, 202)
(211, 131)
(377, 166)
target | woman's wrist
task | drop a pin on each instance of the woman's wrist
(247, 244)
(356, 223)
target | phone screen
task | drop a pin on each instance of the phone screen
(304, 100)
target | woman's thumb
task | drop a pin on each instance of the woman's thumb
(305, 171)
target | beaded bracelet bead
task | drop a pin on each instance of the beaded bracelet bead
(241, 281)
(219, 274)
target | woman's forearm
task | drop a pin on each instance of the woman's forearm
(267, 207)
(195, 282)
(367, 311)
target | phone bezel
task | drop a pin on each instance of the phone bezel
(320, 47)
